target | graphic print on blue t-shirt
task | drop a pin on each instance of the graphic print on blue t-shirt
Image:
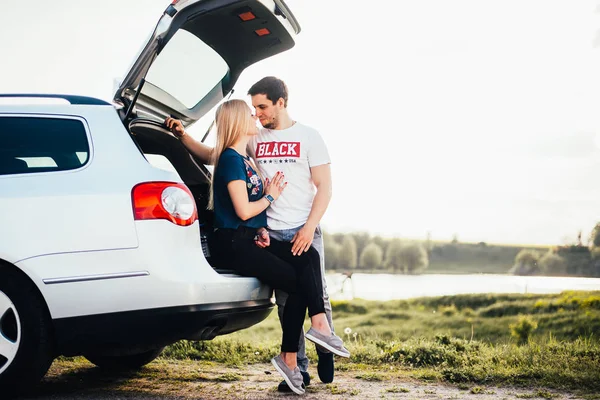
(232, 166)
(254, 183)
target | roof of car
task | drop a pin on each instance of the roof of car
(73, 99)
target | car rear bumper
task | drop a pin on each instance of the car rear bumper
(168, 269)
(132, 332)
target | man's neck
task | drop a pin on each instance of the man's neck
(285, 122)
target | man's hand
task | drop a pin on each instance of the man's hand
(302, 240)
(262, 239)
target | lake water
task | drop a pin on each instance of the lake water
(391, 287)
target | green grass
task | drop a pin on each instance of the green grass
(463, 339)
(539, 394)
(396, 389)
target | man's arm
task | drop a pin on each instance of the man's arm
(197, 148)
(321, 176)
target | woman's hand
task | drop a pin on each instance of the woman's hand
(262, 238)
(175, 126)
(276, 186)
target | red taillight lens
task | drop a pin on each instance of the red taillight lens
(164, 200)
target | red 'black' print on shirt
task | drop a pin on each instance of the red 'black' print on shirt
(278, 149)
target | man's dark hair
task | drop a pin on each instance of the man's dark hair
(273, 88)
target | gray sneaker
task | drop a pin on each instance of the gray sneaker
(293, 377)
(332, 343)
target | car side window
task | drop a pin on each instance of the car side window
(38, 144)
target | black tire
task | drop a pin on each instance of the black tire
(34, 353)
(125, 362)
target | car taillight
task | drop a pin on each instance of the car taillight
(164, 200)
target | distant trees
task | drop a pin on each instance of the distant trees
(578, 260)
(408, 258)
(414, 257)
(362, 239)
(581, 260)
(393, 257)
(595, 244)
(527, 262)
(575, 259)
(595, 236)
(332, 252)
(371, 256)
(360, 251)
(348, 255)
(381, 242)
(553, 264)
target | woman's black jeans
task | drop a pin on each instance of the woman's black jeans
(299, 276)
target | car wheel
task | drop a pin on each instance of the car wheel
(125, 362)
(26, 350)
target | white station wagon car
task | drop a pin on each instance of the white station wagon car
(103, 254)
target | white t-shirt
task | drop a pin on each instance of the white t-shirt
(292, 151)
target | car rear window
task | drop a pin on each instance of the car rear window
(37, 144)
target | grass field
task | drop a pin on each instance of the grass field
(524, 340)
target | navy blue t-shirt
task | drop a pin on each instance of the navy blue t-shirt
(233, 166)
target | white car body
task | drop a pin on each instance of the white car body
(86, 265)
(106, 260)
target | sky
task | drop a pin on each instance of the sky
(471, 118)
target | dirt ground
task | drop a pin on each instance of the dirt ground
(170, 380)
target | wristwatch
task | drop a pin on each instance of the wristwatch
(270, 198)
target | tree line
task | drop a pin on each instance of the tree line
(577, 259)
(359, 251)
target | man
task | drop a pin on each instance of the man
(300, 153)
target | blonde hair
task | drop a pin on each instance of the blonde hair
(233, 121)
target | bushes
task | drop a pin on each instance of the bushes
(348, 307)
(448, 311)
(473, 301)
(230, 352)
(502, 309)
(553, 264)
(522, 329)
(578, 259)
(527, 262)
(443, 351)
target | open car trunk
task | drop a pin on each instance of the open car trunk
(197, 52)
(189, 64)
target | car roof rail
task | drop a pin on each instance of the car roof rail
(73, 99)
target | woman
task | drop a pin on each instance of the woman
(240, 200)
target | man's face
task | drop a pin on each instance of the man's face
(266, 111)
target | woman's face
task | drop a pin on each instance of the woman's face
(252, 125)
